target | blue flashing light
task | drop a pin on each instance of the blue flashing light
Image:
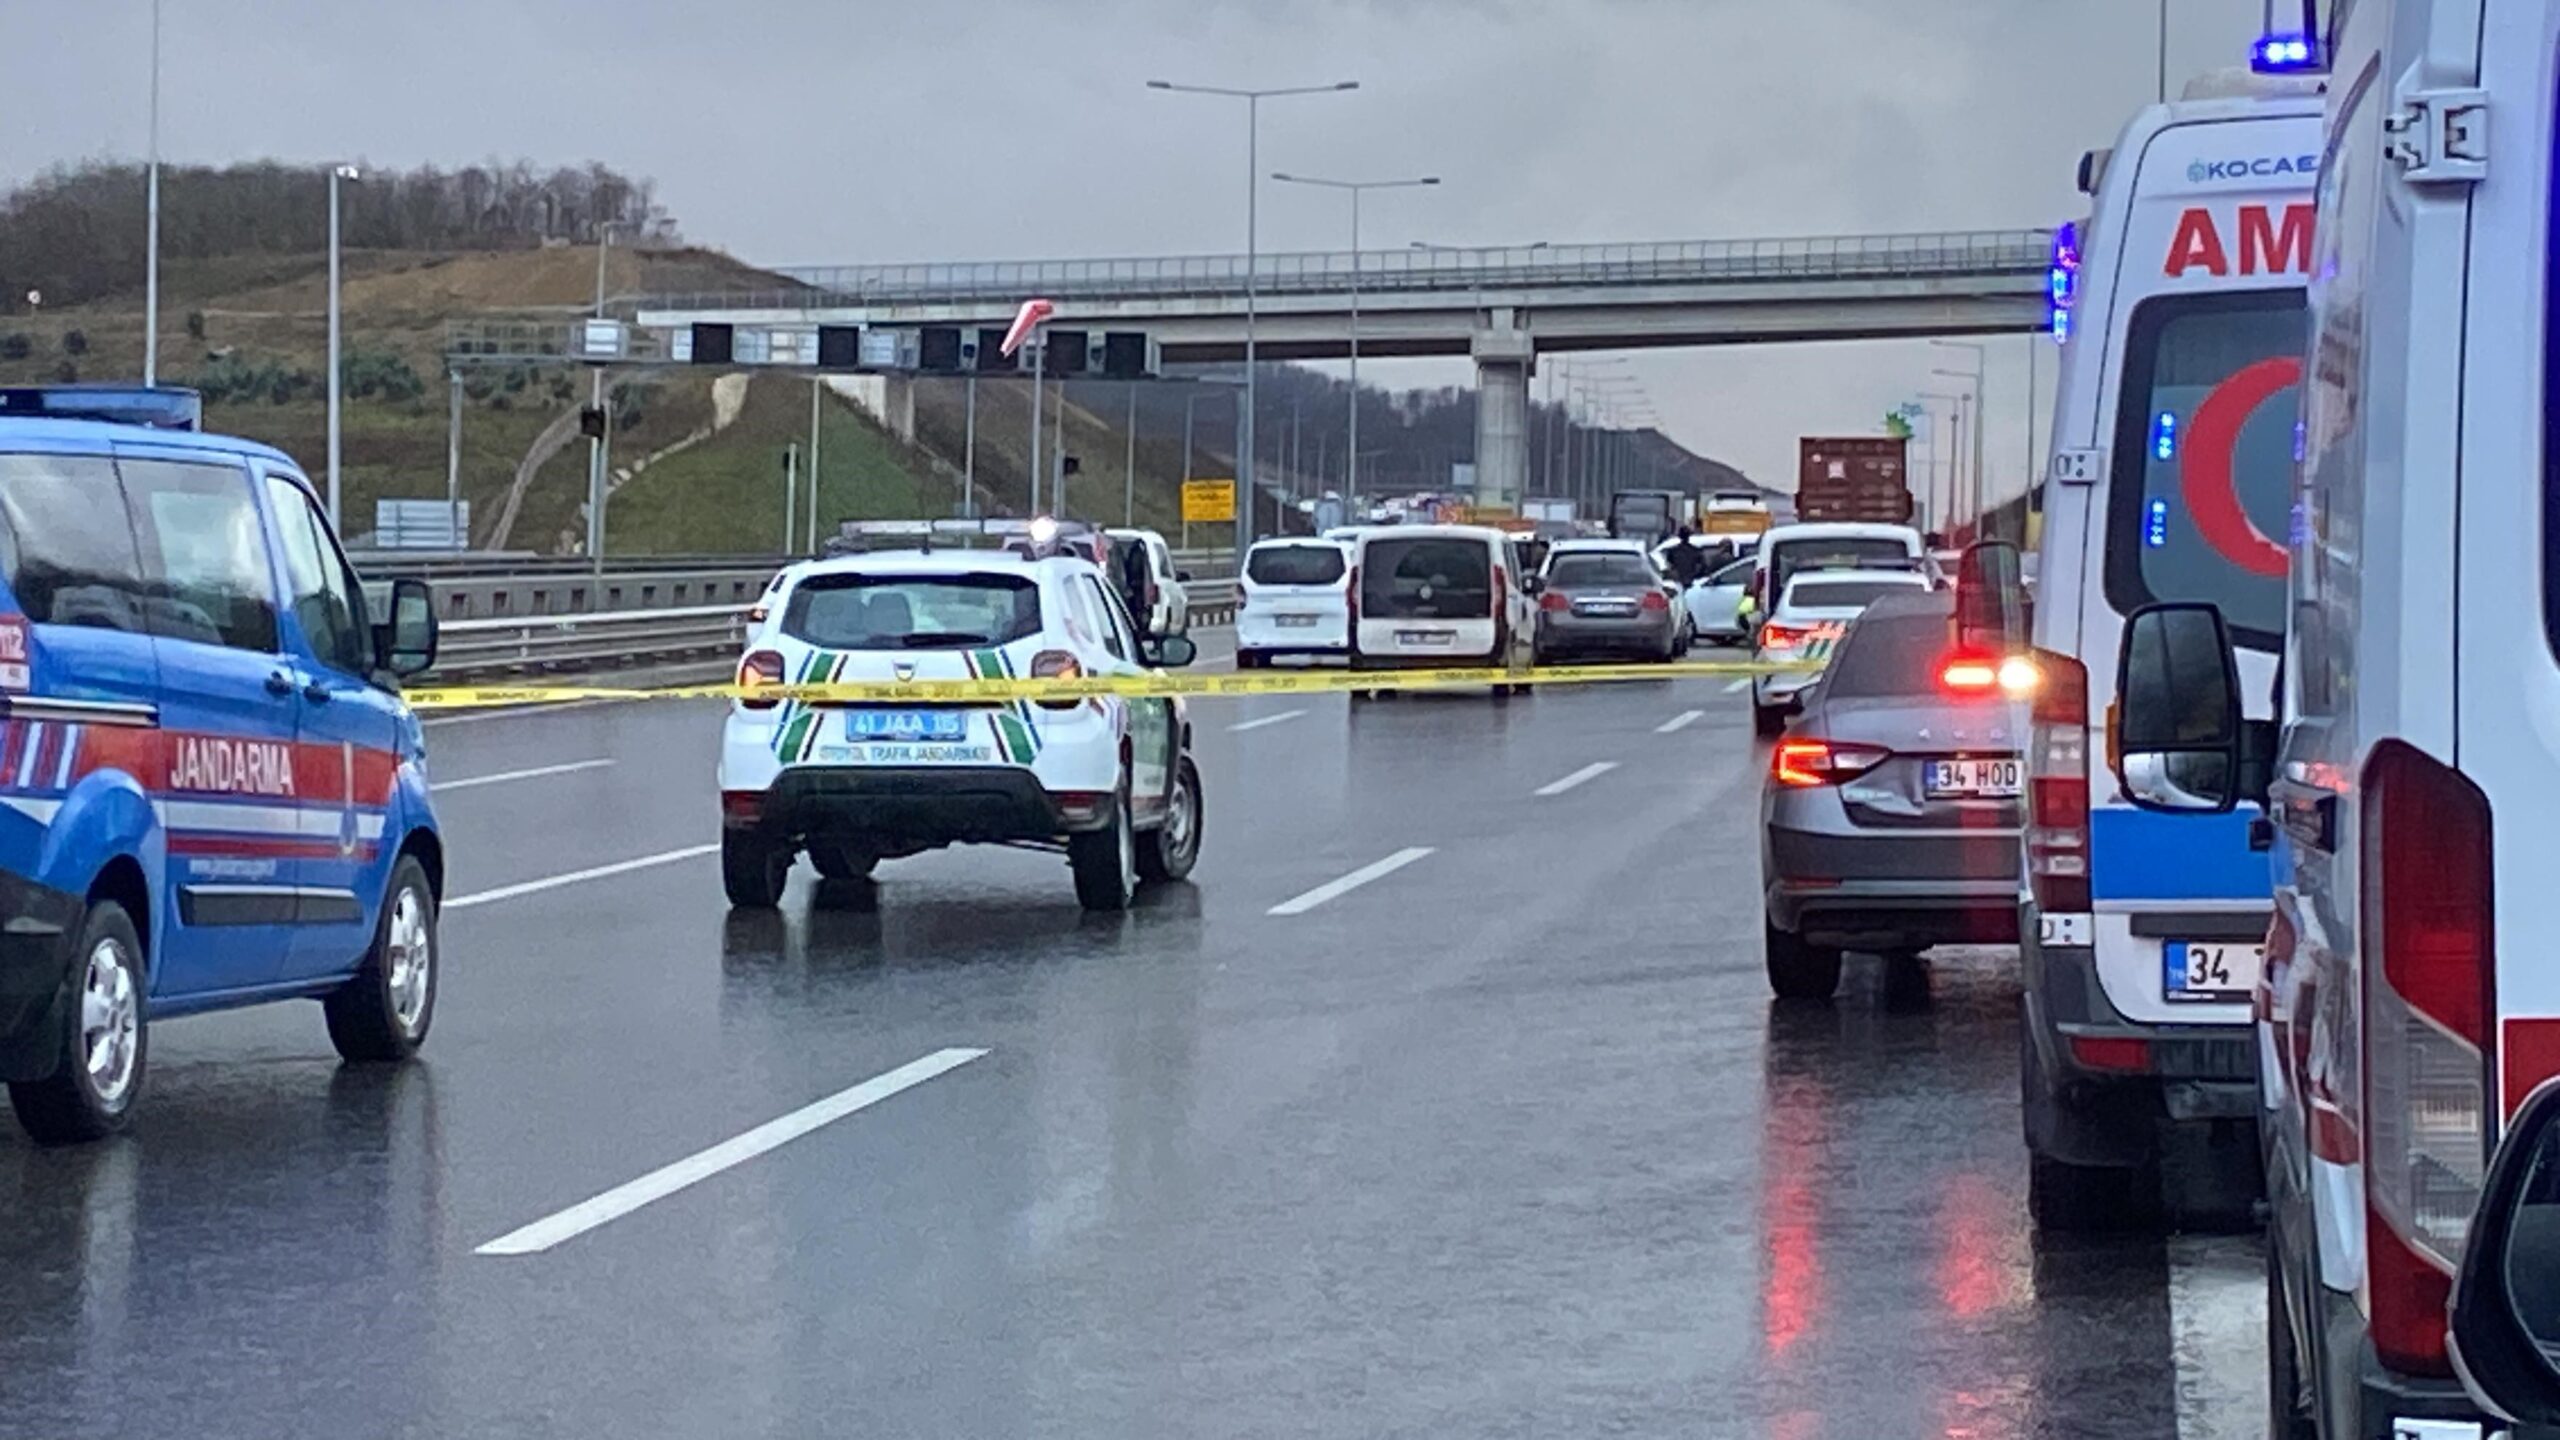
(2155, 524)
(2164, 436)
(2279, 54)
(164, 407)
(2062, 277)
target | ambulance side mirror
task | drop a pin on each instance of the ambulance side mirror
(2176, 741)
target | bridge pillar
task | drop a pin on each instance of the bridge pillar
(1505, 358)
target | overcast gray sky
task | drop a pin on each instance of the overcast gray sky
(814, 131)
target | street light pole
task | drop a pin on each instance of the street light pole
(1981, 407)
(151, 241)
(1936, 512)
(596, 443)
(337, 173)
(1252, 281)
(1351, 472)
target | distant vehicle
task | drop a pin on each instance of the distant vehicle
(1813, 612)
(1440, 595)
(1889, 820)
(1647, 515)
(1734, 512)
(1296, 600)
(219, 798)
(2173, 434)
(1715, 603)
(1169, 598)
(1787, 549)
(1861, 478)
(1596, 600)
(1109, 782)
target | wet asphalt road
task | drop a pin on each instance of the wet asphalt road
(1507, 1142)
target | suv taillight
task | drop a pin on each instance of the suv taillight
(2428, 1053)
(1806, 762)
(2058, 787)
(762, 668)
(1056, 665)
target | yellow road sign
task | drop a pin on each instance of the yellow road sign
(1208, 501)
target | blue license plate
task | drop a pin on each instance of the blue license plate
(906, 725)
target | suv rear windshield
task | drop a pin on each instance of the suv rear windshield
(1841, 553)
(1295, 565)
(1838, 594)
(912, 612)
(1427, 578)
(1896, 653)
(2199, 503)
(1568, 571)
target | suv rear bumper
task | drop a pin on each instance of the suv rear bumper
(2102, 1101)
(909, 807)
(1896, 914)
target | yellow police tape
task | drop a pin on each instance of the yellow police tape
(1154, 683)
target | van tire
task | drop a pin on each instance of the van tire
(753, 870)
(1105, 861)
(1768, 721)
(2067, 1199)
(384, 1013)
(2287, 1419)
(1797, 970)
(1251, 660)
(1170, 850)
(66, 1107)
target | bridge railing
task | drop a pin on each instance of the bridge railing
(1947, 253)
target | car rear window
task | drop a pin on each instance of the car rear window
(1427, 578)
(2198, 506)
(1840, 594)
(1843, 553)
(1892, 654)
(1295, 565)
(912, 612)
(1571, 570)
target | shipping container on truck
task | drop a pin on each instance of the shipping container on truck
(1863, 478)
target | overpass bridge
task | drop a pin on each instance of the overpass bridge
(1500, 306)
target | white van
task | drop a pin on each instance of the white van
(1425, 596)
(2168, 481)
(1295, 600)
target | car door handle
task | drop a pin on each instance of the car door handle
(279, 683)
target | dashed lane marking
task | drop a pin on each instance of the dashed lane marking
(1333, 889)
(692, 1170)
(1259, 722)
(574, 877)
(1681, 721)
(1585, 775)
(1738, 686)
(507, 776)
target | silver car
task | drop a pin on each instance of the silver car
(1607, 601)
(1889, 819)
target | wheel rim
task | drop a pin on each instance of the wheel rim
(110, 1022)
(1128, 838)
(1182, 822)
(409, 960)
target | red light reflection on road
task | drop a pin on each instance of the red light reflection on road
(1791, 1211)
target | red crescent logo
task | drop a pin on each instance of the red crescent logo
(2206, 482)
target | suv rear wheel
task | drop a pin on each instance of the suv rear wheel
(753, 869)
(1105, 861)
(106, 1039)
(2067, 1199)
(1797, 970)
(1768, 722)
(1174, 847)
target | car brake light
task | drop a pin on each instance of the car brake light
(2429, 1054)
(1655, 600)
(1972, 673)
(760, 669)
(741, 808)
(1057, 665)
(2057, 839)
(1554, 600)
(1774, 636)
(1808, 762)
(1500, 579)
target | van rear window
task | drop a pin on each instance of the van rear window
(1837, 553)
(1427, 579)
(2202, 488)
(912, 612)
(1294, 565)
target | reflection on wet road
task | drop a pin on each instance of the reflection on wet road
(1507, 1140)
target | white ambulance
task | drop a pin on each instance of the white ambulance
(2180, 305)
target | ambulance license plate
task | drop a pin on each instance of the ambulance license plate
(2210, 971)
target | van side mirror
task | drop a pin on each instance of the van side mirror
(1532, 583)
(404, 641)
(2177, 734)
(2506, 1297)
(1991, 596)
(1182, 576)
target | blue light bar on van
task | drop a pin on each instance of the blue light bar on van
(2155, 524)
(2062, 279)
(2283, 54)
(160, 408)
(2164, 436)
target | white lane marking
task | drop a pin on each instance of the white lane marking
(660, 1183)
(1736, 687)
(2218, 1336)
(1681, 721)
(503, 776)
(435, 718)
(1585, 775)
(1332, 889)
(597, 872)
(1258, 723)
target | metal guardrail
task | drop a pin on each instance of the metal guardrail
(1945, 253)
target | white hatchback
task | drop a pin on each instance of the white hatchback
(1296, 600)
(1813, 612)
(1109, 781)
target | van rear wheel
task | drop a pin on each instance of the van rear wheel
(106, 1039)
